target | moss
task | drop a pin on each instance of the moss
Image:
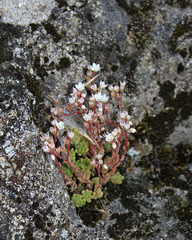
(184, 27)
(38, 109)
(90, 214)
(190, 51)
(125, 226)
(158, 128)
(180, 68)
(167, 91)
(51, 30)
(41, 71)
(63, 63)
(34, 26)
(178, 3)
(8, 32)
(62, 3)
(183, 52)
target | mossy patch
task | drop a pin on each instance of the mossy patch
(63, 63)
(158, 128)
(182, 28)
(38, 109)
(8, 32)
(52, 30)
(178, 3)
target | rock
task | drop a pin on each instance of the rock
(44, 50)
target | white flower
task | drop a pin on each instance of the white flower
(98, 97)
(87, 117)
(83, 107)
(100, 162)
(70, 134)
(81, 100)
(80, 86)
(114, 133)
(104, 98)
(130, 123)
(111, 88)
(92, 162)
(60, 125)
(114, 145)
(127, 126)
(105, 166)
(54, 122)
(90, 113)
(99, 156)
(109, 137)
(123, 114)
(132, 130)
(94, 87)
(122, 86)
(102, 84)
(84, 95)
(46, 148)
(92, 98)
(53, 157)
(122, 123)
(52, 145)
(72, 100)
(116, 88)
(54, 110)
(95, 67)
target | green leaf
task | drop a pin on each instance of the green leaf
(87, 195)
(117, 178)
(78, 200)
(98, 193)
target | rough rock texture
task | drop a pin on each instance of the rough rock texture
(44, 50)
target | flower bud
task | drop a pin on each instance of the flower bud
(99, 156)
(70, 134)
(116, 88)
(100, 162)
(122, 86)
(114, 145)
(53, 157)
(132, 130)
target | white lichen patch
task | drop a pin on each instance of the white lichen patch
(24, 12)
(9, 149)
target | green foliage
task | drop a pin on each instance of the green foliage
(117, 178)
(78, 200)
(72, 154)
(84, 164)
(108, 147)
(98, 193)
(77, 138)
(95, 180)
(82, 148)
(67, 170)
(87, 195)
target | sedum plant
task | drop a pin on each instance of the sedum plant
(88, 155)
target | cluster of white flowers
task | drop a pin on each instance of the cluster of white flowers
(109, 137)
(88, 116)
(60, 125)
(80, 86)
(48, 143)
(125, 123)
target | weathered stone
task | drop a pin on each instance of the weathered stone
(45, 50)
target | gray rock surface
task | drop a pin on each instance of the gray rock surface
(45, 47)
